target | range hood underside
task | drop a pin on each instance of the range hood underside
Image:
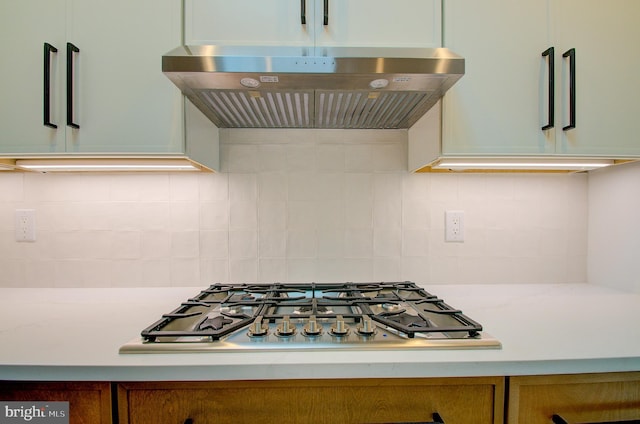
(313, 109)
(313, 92)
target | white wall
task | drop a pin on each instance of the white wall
(614, 229)
(309, 208)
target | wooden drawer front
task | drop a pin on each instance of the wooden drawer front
(577, 398)
(89, 403)
(460, 401)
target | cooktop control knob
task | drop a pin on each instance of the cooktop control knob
(368, 328)
(312, 328)
(340, 329)
(285, 328)
(257, 329)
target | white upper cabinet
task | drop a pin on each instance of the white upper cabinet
(604, 36)
(378, 23)
(249, 22)
(119, 102)
(360, 23)
(501, 104)
(26, 25)
(123, 102)
(496, 108)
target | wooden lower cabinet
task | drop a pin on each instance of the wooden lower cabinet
(577, 398)
(89, 402)
(456, 400)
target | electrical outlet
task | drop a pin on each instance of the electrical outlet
(25, 224)
(454, 226)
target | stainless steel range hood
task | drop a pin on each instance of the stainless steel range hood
(312, 87)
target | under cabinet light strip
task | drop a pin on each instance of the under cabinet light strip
(516, 164)
(115, 164)
(106, 167)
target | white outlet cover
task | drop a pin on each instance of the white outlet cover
(25, 225)
(454, 226)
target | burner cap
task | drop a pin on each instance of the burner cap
(215, 323)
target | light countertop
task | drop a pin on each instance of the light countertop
(75, 334)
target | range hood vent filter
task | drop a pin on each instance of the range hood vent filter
(365, 109)
(298, 109)
(260, 109)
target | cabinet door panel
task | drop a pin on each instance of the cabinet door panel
(26, 25)
(372, 23)
(379, 23)
(89, 402)
(472, 401)
(577, 398)
(248, 22)
(124, 104)
(499, 106)
(604, 35)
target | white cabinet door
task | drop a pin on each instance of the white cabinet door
(371, 23)
(607, 59)
(499, 106)
(25, 26)
(378, 23)
(122, 101)
(249, 22)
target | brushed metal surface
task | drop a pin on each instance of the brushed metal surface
(382, 340)
(312, 87)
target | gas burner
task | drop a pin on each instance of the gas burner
(410, 320)
(391, 307)
(236, 298)
(279, 316)
(309, 308)
(215, 323)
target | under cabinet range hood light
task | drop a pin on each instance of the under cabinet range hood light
(312, 87)
(521, 164)
(107, 165)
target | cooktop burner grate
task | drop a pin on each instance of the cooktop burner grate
(312, 315)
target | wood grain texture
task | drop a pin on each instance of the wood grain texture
(577, 398)
(461, 401)
(89, 402)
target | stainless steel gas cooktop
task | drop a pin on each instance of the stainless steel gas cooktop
(303, 316)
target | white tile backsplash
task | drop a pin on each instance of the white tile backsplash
(243, 244)
(272, 215)
(319, 208)
(243, 215)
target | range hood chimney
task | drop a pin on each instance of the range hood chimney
(312, 87)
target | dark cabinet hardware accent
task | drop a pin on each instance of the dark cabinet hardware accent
(303, 12)
(326, 12)
(188, 421)
(571, 54)
(48, 49)
(437, 419)
(71, 49)
(557, 419)
(551, 66)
